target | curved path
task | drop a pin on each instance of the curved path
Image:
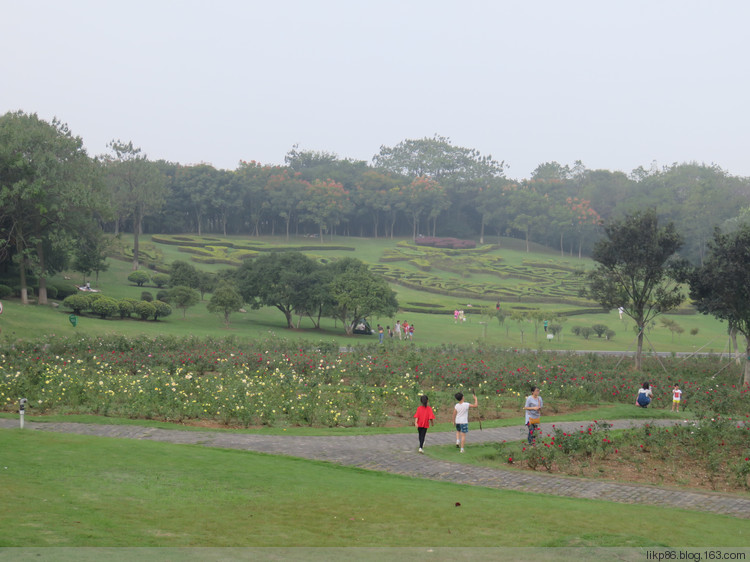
(397, 454)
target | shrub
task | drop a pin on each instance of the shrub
(163, 296)
(586, 332)
(76, 303)
(610, 334)
(139, 277)
(125, 307)
(161, 309)
(65, 290)
(145, 310)
(5, 291)
(160, 279)
(600, 329)
(105, 306)
(576, 330)
(147, 296)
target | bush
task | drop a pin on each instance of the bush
(145, 310)
(600, 329)
(126, 307)
(76, 303)
(160, 279)
(105, 306)
(147, 296)
(576, 330)
(139, 277)
(586, 332)
(163, 296)
(610, 334)
(161, 309)
(64, 290)
(5, 291)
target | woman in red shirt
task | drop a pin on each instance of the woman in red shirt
(423, 420)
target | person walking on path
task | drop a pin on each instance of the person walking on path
(423, 419)
(533, 407)
(676, 396)
(398, 328)
(381, 332)
(461, 418)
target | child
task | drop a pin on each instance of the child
(676, 395)
(422, 420)
(461, 418)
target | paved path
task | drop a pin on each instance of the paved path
(396, 453)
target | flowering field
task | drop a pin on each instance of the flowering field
(275, 382)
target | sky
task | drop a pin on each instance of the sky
(615, 84)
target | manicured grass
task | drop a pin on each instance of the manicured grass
(71, 490)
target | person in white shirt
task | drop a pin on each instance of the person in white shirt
(461, 418)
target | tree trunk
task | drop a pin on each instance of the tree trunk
(22, 272)
(42, 295)
(137, 218)
(746, 380)
(481, 232)
(639, 350)
(733, 338)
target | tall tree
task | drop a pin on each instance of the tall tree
(279, 279)
(637, 270)
(325, 203)
(357, 293)
(721, 286)
(49, 189)
(138, 187)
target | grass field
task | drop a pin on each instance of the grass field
(31, 321)
(70, 490)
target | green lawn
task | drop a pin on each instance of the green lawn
(72, 490)
(20, 321)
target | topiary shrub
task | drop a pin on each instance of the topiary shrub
(145, 310)
(147, 296)
(160, 280)
(161, 309)
(126, 307)
(600, 329)
(105, 306)
(163, 296)
(139, 277)
(65, 290)
(76, 303)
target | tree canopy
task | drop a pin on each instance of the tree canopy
(637, 270)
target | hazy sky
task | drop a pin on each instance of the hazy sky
(616, 84)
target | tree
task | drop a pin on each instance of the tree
(226, 299)
(636, 270)
(721, 286)
(49, 188)
(181, 273)
(325, 204)
(138, 187)
(90, 252)
(357, 293)
(184, 297)
(279, 279)
(139, 277)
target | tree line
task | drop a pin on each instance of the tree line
(56, 200)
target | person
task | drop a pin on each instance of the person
(423, 419)
(546, 325)
(620, 310)
(390, 332)
(644, 396)
(533, 407)
(676, 395)
(497, 306)
(461, 418)
(411, 331)
(405, 328)
(380, 333)
(455, 316)
(398, 328)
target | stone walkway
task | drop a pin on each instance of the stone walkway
(397, 454)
